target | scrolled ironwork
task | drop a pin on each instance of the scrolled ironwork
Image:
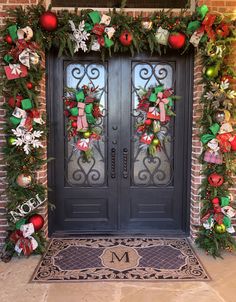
(91, 172)
(147, 170)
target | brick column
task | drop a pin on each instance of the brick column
(42, 175)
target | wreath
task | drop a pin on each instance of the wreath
(156, 105)
(82, 109)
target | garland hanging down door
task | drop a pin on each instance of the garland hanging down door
(120, 189)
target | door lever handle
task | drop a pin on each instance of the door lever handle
(125, 163)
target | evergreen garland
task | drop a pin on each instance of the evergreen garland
(213, 36)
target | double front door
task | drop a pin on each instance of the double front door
(120, 189)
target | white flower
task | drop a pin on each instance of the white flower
(27, 138)
(209, 95)
(79, 36)
(231, 94)
(224, 84)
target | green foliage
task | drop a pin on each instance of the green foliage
(143, 41)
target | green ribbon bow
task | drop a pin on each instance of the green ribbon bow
(155, 91)
(193, 26)
(8, 58)
(205, 138)
(227, 222)
(108, 42)
(79, 96)
(95, 17)
(224, 201)
(13, 32)
(88, 110)
(202, 11)
(20, 223)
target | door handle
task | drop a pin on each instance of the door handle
(125, 163)
(113, 163)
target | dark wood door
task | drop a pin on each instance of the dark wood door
(121, 189)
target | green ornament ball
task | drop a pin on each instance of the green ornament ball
(220, 228)
(87, 134)
(155, 142)
(11, 140)
(211, 72)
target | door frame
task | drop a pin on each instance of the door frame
(50, 71)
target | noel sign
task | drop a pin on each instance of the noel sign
(26, 208)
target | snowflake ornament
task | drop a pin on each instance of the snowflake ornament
(27, 139)
(79, 36)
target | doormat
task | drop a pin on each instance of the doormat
(119, 259)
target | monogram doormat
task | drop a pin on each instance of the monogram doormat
(119, 259)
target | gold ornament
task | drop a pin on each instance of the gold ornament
(147, 24)
(24, 180)
(220, 228)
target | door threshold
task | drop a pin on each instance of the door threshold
(62, 234)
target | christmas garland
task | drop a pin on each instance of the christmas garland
(155, 106)
(82, 109)
(36, 30)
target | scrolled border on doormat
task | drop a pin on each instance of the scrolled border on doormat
(119, 259)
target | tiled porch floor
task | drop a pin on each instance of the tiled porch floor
(15, 286)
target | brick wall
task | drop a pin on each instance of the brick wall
(228, 7)
(5, 5)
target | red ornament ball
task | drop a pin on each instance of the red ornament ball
(177, 40)
(215, 200)
(233, 143)
(74, 124)
(37, 221)
(29, 85)
(48, 21)
(215, 179)
(8, 39)
(126, 38)
(148, 122)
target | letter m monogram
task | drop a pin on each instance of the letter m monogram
(125, 256)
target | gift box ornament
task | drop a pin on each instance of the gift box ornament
(26, 104)
(98, 29)
(153, 113)
(19, 113)
(228, 211)
(110, 32)
(162, 36)
(27, 229)
(196, 38)
(226, 128)
(146, 138)
(15, 71)
(105, 20)
(213, 157)
(83, 144)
